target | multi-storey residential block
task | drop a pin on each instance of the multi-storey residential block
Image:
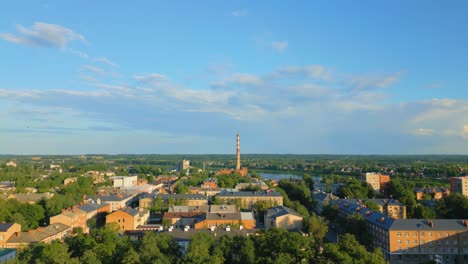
(42, 234)
(74, 218)
(414, 240)
(459, 185)
(436, 193)
(250, 199)
(378, 181)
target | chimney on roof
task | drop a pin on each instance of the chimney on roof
(430, 223)
(465, 223)
(382, 219)
(40, 229)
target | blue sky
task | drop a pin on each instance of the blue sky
(331, 77)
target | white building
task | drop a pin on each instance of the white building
(124, 181)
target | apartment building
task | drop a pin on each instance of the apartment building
(249, 199)
(414, 240)
(389, 207)
(459, 185)
(378, 181)
(128, 218)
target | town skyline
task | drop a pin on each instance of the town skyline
(184, 78)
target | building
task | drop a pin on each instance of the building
(74, 218)
(148, 201)
(6, 231)
(322, 199)
(11, 164)
(7, 254)
(42, 234)
(223, 220)
(378, 181)
(434, 193)
(181, 219)
(117, 201)
(183, 165)
(124, 181)
(283, 217)
(30, 198)
(459, 185)
(248, 200)
(389, 207)
(414, 240)
(128, 218)
(70, 180)
(243, 171)
(243, 185)
(210, 183)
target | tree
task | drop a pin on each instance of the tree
(200, 250)
(348, 250)
(453, 206)
(316, 227)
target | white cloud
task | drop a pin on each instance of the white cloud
(240, 13)
(43, 35)
(106, 61)
(94, 69)
(313, 71)
(279, 46)
(379, 81)
(78, 53)
(424, 132)
(150, 78)
(243, 79)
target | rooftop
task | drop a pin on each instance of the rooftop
(39, 234)
(5, 226)
(246, 194)
(280, 211)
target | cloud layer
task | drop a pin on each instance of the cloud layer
(43, 35)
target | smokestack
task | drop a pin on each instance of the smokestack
(238, 152)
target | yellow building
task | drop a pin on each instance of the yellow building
(283, 217)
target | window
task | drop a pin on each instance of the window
(415, 241)
(398, 234)
(399, 241)
(446, 234)
(422, 233)
(430, 234)
(407, 234)
(407, 242)
(439, 235)
(415, 234)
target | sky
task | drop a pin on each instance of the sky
(183, 77)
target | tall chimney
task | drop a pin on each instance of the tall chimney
(238, 152)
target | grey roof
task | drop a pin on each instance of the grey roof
(381, 202)
(373, 217)
(247, 194)
(182, 196)
(185, 208)
(423, 224)
(90, 207)
(223, 216)
(38, 235)
(280, 211)
(5, 226)
(115, 197)
(322, 196)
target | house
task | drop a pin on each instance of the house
(6, 231)
(7, 254)
(210, 183)
(283, 217)
(181, 219)
(124, 181)
(74, 218)
(95, 209)
(31, 198)
(436, 193)
(249, 199)
(128, 218)
(70, 180)
(11, 164)
(117, 201)
(391, 208)
(322, 199)
(222, 220)
(42, 234)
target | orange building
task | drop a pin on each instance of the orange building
(410, 241)
(244, 171)
(40, 235)
(6, 231)
(378, 181)
(220, 220)
(74, 218)
(128, 218)
(210, 183)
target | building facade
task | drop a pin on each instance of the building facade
(459, 185)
